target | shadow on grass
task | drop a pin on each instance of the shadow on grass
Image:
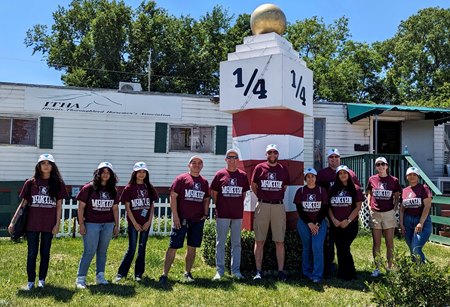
(358, 284)
(207, 283)
(113, 289)
(59, 294)
(154, 284)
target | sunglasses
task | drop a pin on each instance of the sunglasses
(274, 152)
(333, 157)
(232, 157)
(380, 164)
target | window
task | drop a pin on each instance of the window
(191, 138)
(18, 131)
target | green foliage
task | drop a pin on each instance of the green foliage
(412, 283)
(292, 246)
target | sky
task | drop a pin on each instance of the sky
(369, 21)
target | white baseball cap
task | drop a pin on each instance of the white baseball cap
(342, 168)
(46, 157)
(105, 164)
(195, 157)
(412, 170)
(381, 159)
(333, 151)
(140, 166)
(271, 147)
(232, 150)
(310, 170)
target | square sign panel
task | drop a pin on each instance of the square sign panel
(270, 82)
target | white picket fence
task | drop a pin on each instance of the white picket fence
(161, 224)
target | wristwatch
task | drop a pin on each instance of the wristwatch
(349, 220)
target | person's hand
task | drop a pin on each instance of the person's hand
(418, 228)
(313, 228)
(55, 229)
(116, 230)
(176, 222)
(10, 228)
(403, 230)
(336, 222)
(344, 223)
(137, 226)
(82, 229)
(146, 226)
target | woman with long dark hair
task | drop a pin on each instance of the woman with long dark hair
(98, 216)
(139, 196)
(43, 193)
(345, 203)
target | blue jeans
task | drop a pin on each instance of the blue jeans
(416, 241)
(129, 254)
(33, 247)
(222, 226)
(95, 242)
(312, 254)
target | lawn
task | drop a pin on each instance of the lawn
(60, 288)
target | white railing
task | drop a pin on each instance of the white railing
(161, 223)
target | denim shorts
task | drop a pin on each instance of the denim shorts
(194, 231)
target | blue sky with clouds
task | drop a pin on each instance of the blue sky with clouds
(369, 21)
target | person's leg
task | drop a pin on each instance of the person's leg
(236, 226)
(317, 251)
(328, 248)
(129, 254)
(190, 258)
(168, 260)
(33, 246)
(46, 244)
(419, 239)
(140, 260)
(278, 227)
(408, 223)
(90, 242)
(307, 257)
(222, 226)
(343, 239)
(176, 241)
(376, 245)
(389, 240)
(261, 224)
(194, 240)
(279, 248)
(105, 237)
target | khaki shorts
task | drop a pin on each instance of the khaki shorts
(273, 215)
(383, 220)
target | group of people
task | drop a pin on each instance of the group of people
(328, 206)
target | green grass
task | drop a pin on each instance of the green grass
(66, 253)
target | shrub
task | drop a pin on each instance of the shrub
(412, 283)
(292, 246)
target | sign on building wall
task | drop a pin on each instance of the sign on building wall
(102, 103)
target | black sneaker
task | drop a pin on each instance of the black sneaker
(162, 280)
(282, 276)
(188, 277)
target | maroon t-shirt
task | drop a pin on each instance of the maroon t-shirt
(327, 176)
(311, 204)
(99, 204)
(383, 190)
(42, 211)
(230, 188)
(140, 200)
(342, 203)
(191, 193)
(412, 199)
(271, 181)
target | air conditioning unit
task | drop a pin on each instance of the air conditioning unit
(129, 87)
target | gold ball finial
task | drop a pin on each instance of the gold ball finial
(268, 18)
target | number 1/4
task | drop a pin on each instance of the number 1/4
(260, 85)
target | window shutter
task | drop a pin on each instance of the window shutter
(161, 137)
(221, 140)
(46, 132)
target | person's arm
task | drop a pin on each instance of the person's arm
(115, 209)
(214, 196)
(402, 213)
(150, 218)
(368, 197)
(174, 208)
(353, 215)
(55, 229)
(396, 200)
(206, 207)
(81, 207)
(334, 220)
(130, 215)
(425, 213)
(22, 204)
(254, 187)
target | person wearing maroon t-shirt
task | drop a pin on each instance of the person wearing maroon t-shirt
(345, 203)
(228, 190)
(311, 201)
(139, 196)
(269, 181)
(383, 193)
(189, 202)
(44, 194)
(415, 220)
(98, 216)
(325, 179)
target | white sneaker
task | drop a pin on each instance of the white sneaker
(29, 286)
(41, 283)
(100, 278)
(118, 278)
(375, 273)
(81, 282)
(217, 276)
(238, 275)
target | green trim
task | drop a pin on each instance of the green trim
(161, 137)
(46, 132)
(221, 140)
(440, 239)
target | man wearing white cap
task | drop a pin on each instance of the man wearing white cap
(325, 179)
(228, 190)
(269, 181)
(189, 202)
